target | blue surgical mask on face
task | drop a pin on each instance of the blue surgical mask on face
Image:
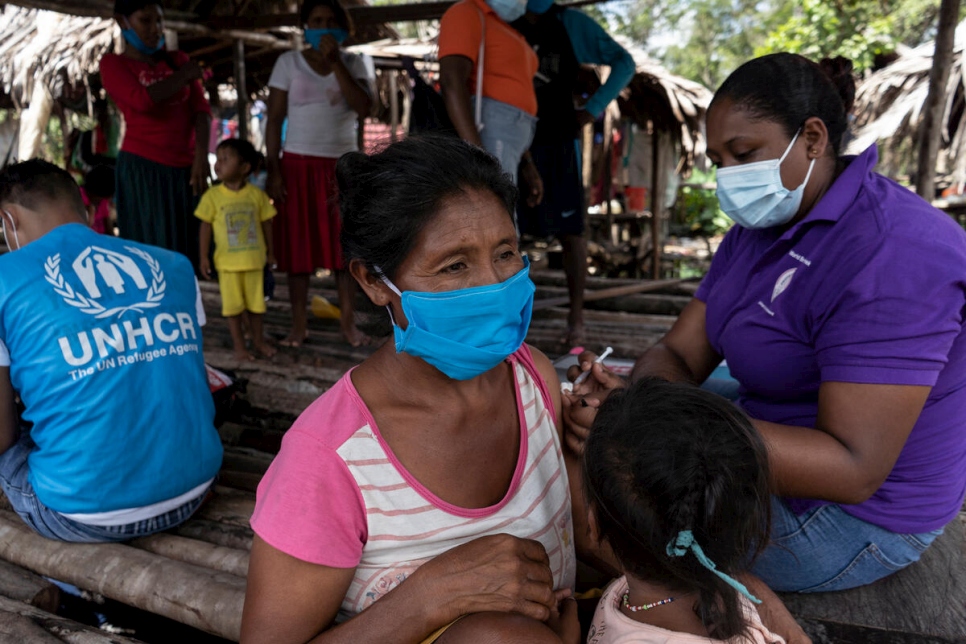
(314, 36)
(135, 41)
(539, 7)
(508, 10)
(754, 196)
(466, 332)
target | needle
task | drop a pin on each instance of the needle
(599, 360)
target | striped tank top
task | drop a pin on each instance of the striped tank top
(408, 525)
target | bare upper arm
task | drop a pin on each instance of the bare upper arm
(289, 600)
(549, 373)
(687, 341)
(454, 71)
(277, 105)
(872, 421)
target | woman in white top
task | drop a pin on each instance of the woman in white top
(323, 91)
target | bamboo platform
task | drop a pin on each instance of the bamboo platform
(195, 574)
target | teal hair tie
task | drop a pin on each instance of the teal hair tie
(679, 547)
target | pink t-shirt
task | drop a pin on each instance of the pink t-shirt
(611, 626)
(337, 496)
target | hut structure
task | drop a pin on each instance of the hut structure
(889, 111)
(49, 59)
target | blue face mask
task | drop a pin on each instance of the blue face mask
(314, 36)
(508, 10)
(466, 332)
(135, 41)
(539, 7)
(753, 194)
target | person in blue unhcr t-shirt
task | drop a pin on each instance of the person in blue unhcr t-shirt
(101, 339)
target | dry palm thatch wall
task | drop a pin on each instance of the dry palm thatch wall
(888, 111)
(53, 49)
(670, 102)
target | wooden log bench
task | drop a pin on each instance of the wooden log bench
(922, 604)
(195, 573)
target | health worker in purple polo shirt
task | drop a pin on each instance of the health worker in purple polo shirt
(838, 302)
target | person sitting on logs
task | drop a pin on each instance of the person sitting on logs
(426, 495)
(101, 340)
(838, 302)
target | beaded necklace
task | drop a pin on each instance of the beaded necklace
(643, 607)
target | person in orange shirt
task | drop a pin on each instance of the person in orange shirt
(507, 113)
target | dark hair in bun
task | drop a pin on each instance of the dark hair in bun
(789, 89)
(839, 71)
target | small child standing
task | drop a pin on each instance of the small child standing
(240, 216)
(97, 193)
(676, 480)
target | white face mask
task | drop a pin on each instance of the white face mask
(6, 238)
(754, 196)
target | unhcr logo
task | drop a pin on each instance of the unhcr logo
(101, 272)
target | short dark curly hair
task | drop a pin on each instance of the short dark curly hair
(36, 182)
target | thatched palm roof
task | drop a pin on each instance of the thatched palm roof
(669, 101)
(53, 48)
(889, 110)
(62, 50)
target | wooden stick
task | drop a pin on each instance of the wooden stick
(66, 630)
(204, 599)
(603, 294)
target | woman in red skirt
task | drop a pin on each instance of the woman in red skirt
(323, 91)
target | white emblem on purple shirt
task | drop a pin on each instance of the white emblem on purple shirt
(782, 282)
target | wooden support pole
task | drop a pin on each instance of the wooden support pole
(33, 121)
(930, 132)
(201, 598)
(657, 203)
(241, 90)
(393, 104)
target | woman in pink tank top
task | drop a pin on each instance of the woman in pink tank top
(425, 497)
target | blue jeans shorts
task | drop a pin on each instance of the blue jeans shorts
(507, 133)
(53, 525)
(826, 549)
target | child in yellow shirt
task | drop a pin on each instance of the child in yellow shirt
(240, 215)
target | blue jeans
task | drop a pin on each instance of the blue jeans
(721, 382)
(53, 525)
(507, 133)
(826, 549)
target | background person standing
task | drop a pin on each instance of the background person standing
(509, 104)
(162, 167)
(323, 91)
(564, 39)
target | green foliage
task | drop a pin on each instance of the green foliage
(856, 29)
(712, 37)
(697, 209)
(724, 34)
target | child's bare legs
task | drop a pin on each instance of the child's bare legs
(259, 343)
(347, 305)
(298, 294)
(238, 337)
